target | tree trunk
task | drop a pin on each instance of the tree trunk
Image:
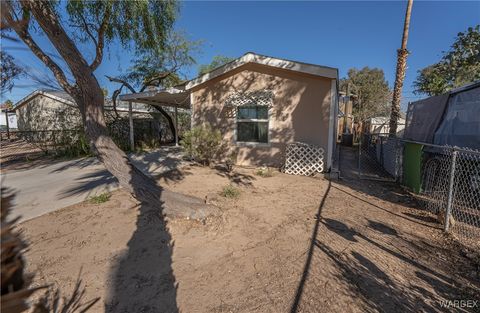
(169, 119)
(90, 100)
(400, 73)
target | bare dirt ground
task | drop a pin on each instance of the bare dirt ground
(286, 244)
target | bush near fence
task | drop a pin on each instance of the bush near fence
(17, 145)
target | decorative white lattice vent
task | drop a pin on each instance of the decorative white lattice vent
(303, 159)
(250, 98)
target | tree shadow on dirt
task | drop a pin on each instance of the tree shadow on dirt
(370, 203)
(308, 261)
(380, 292)
(354, 267)
(141, 278)
(235, 177)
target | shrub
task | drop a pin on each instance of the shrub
(230, 191)
(101, 198)
(264, 172)
(202, 144)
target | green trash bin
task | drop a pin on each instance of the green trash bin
(412, 166)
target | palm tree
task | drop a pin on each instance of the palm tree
(402, 54)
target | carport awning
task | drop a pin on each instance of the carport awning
(172, 97)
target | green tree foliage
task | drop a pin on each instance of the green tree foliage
(457, 67)
(371, 91)
(217, 61)
(8, 104)
(10, 70)
(105, 92)
(143, 23)
(162, 67)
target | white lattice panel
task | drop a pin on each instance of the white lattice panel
(257, 97)
(303, 159)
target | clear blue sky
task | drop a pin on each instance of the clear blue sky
(338, 34)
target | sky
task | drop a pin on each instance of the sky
(338, 34)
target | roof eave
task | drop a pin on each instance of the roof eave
(250, 57)
(32, 95)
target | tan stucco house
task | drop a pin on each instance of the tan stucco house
(260, 104)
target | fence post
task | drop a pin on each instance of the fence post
(396, 149)
(359, 156)
(130, 121)
(7, 123)
(448, 212)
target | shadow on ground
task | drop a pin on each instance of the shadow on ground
(141, 278)
(163, 163)
(374, 266)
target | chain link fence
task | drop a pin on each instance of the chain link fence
(445, 180)
(28, 145)
(379, 157)
(450, 179)
(25, 146)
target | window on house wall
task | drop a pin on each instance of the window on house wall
(252, 124)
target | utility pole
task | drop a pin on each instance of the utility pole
(402, 54)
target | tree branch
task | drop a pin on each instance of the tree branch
(21, 28)
(87, 29)
(157, 78)
(114, 100)
(121, 81)
(117, 92)
(101, 40)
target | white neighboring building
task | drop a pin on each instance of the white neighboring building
(381, 125)
(12, 120)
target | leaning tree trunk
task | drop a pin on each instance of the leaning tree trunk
(90, 100)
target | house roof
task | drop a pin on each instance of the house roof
(65, 98)
(179, 96)
(58, 95)
(250, 57)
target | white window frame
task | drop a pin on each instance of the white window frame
(254, 120)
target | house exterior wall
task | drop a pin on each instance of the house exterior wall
(301, 110)
(45, 113)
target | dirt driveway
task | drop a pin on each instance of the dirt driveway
(286, 244)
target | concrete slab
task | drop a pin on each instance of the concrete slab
(47, 188)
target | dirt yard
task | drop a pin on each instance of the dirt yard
(286, 244)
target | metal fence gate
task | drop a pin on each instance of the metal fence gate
(379, 157)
